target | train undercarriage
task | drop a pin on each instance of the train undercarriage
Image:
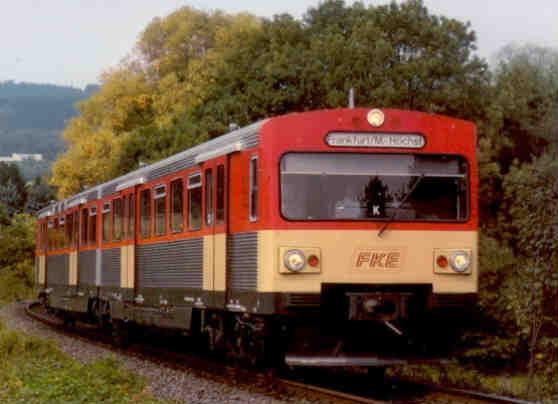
(345, 325)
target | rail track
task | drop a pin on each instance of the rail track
(268, 382)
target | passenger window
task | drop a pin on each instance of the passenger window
(93, 225)
(132, 217)
(194, 202)
(61, 233)
(208, 197)
(117, 219)
(160, 210)
(253, 189)
(220, 214)
(106, 222)
(76, 229)
(177, 208)
(84, 222)
(70, 230)
(50, 231)
(145, 213)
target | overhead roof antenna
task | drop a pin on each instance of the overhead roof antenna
(351, 97)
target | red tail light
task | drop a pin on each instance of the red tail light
(442, 261)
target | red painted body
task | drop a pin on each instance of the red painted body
(290, 133)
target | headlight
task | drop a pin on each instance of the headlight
(460, 261)
(294, 260)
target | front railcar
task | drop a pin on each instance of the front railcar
(371, 239)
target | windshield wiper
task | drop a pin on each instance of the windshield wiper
(396, 210)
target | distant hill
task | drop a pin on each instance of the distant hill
(32, 116)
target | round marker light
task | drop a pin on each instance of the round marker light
(313, 260)
(294, 260)
(460, 261)
(442, 261)
(375, 117)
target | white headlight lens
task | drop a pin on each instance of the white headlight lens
(460, 261)
(294, 260)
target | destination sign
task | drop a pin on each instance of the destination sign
(396, 140)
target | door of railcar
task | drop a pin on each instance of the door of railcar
(215, 219)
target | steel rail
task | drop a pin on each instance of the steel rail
(190, 362)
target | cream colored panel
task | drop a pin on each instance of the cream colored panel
(73, 269)
(124, 267)
(131, 265)
(42, 266)
(356, 256)
(208, 263)
(220, 267)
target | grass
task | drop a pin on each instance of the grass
(34, 370)
(466, 377)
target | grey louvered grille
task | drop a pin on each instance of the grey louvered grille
(171, 168)
(58, 270)
(242, 268)
(110, 267)
(86, 267)
(178, 264)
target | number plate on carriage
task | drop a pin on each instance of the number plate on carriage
(386, 259)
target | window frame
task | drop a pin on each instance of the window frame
(208, 199)
(84, 226)
(157, 196)
(467, 178)
(93, 227)
(253, 189)
(106, 211)
(190, 188)
(223, 199)
(149, 211)
(114, 216)
(182, 226)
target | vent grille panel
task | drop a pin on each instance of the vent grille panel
(87, 261)
(110, 267)
(58, 270)
(242, 268)
(178, 264)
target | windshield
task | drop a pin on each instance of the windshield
(347, 186)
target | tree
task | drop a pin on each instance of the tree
(194, 73)
(17, 246)
(12, 188)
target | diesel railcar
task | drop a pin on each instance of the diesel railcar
(328, 237)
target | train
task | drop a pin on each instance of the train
(340, 237)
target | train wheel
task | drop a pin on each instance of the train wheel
(249, 340)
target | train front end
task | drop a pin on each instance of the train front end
(370, 243)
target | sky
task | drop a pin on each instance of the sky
(71, 42)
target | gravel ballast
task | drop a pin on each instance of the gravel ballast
(165, 383)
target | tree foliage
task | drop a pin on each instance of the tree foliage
(195, 72)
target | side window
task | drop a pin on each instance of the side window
(160, 210)
(70, 230)
(253, 189)
(61, 233)
(76, 228)
(117, 219)
(93, 225)
(84, 222)
(177, 206)
(106, 222)
(220, 213)
(50, 232)
(194, 201)
(125, 207)
(145, 213)
(132, 217)
(208, 197)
